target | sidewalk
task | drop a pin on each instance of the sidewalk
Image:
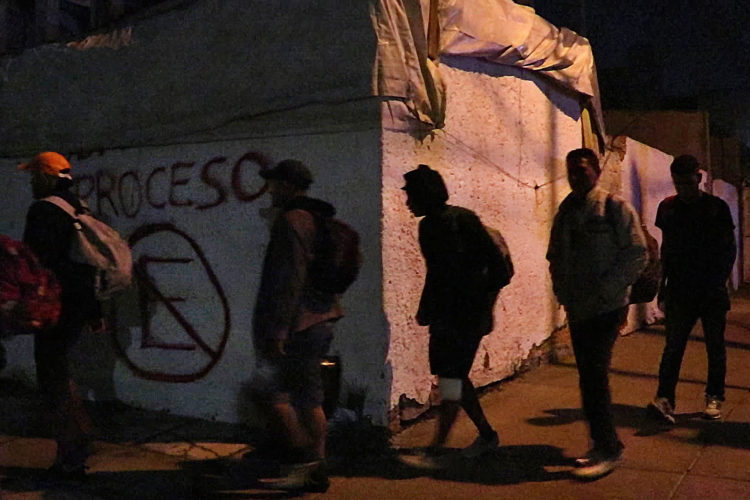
(149, 455)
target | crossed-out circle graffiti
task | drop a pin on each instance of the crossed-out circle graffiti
(149, 292)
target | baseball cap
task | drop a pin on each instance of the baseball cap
(49, 163)
(292, 171)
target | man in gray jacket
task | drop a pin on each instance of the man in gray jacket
(596, 252)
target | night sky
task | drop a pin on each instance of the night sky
(668, 54)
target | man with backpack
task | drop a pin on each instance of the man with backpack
(50, 233)
(698, 252)
(465, 271)
(596, 252)
(297, 306)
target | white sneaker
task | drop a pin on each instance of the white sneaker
(423, 461)
(662, 408)
(713, 408)
(310, 476)
(480, 446)
(595, 465)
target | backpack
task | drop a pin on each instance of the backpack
(504, 268)
(644, 290)
(29, 293)
(100, 246)
(646, 287)
(337, 257)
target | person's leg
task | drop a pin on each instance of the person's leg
(71, 420)
(450, 393)
(287, 423)
(679, 321)
(315, 423)
(470, 404)
(304, 377)
(451, 353)
(593, 340)
(714, 321)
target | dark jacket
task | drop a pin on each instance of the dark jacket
(286, 301)
(49, 232)
(458, 252)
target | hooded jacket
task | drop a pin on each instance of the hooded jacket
(286, 301)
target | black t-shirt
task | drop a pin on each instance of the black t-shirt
(698, 247)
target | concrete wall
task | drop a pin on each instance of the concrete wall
(507, 131)
(644, 181)
(730, 194)
(204, 238)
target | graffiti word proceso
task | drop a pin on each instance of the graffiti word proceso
(126, 194)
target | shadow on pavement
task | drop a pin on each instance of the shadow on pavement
(711, 432)
(147, 485)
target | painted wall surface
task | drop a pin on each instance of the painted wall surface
(729, 193)
(644, 182)
(507, 132)
(197, 222)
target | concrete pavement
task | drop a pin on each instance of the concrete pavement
(143, 455)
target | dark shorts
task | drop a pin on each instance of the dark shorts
(296, 378)
(452, 351)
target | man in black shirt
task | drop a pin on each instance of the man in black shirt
(698, 252)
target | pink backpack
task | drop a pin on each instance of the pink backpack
(29, 293)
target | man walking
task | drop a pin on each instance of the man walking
(50, 232)
(293, 327)
(457, 301)
(596, 252)
(698, 251)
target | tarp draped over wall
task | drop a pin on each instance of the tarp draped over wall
(187, 76)
(497, 31)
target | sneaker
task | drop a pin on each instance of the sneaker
(304, 477)
(662, 408)
(480, 446)
(713, 408)
(595, 464)
(430, 459)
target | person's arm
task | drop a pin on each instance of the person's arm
(282, 282)
(631, 257)
(726, 245)
(554, 256)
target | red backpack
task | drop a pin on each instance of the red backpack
(29, 293)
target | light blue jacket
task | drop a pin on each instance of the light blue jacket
(596, 252)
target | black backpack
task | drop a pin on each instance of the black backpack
(646, 287)
(337, 259)
(504, 267)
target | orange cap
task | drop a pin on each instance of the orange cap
(49, 163)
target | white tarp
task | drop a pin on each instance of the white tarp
(498, 31)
